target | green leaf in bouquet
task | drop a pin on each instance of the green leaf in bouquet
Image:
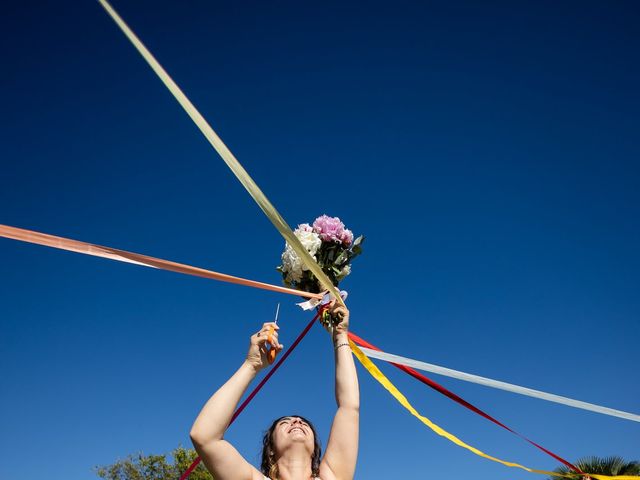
(356, 248)
(344, 256)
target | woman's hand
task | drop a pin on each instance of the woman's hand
(207, 433)
(341, 314)
(258, 356)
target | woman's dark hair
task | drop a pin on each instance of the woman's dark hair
(268, 465)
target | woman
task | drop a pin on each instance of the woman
(291, 450)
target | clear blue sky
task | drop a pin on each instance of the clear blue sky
(489, 153)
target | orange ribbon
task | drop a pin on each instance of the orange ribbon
(138, 259)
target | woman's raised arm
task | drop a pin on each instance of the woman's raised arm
(219, 456)
(340, 458)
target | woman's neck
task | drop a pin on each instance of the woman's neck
(294, 465)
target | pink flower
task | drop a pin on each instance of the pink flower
(347, 237)
(330, 229)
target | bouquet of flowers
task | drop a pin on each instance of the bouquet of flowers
(330, 244)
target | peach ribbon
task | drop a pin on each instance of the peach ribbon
(138, 259)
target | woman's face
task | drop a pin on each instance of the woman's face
(291, 430)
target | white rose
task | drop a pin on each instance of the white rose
(311, 242)
(291, 263)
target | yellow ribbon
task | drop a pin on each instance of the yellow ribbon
(392, 389)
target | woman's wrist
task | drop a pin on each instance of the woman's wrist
(250, 367)
(340, 337)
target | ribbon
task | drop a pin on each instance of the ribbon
(254, 392)
(401, 362)
(439, 388)
(393, 390)
(228, 157)
(138, 259)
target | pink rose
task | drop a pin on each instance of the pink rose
(330, 229)
(347, 237)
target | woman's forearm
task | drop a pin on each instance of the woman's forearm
(347, 390)
(215, 416)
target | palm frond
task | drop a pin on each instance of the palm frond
(612, 465)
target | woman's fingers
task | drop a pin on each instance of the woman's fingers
(273, 339)
(268, 325)
(277, 350)
(340, 312)
(335, 307)
(265, 337)
(264, 345)
(268, 333)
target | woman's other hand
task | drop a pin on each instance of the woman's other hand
(258, 355)
(341, 314)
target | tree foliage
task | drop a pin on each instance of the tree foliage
(602, 466)
(154, 467)
(158, 467)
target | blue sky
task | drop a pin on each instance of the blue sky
(488, 152)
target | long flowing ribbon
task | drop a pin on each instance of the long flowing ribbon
(399, 361)
(228, 157)
(255, 391)
(439, 388)
(393, 390)
(123, 256)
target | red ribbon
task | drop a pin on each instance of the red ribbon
(253, 393)
(439, 388)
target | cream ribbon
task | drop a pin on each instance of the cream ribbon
(228, 157)
(489, 382)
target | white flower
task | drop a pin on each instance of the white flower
(291, 263)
